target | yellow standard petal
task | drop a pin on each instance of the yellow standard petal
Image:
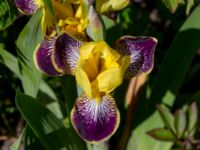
(101, 67)
(110, 79)
(83, 81)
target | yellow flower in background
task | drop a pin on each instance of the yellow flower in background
(70, 15)
(103, 6)
(100, 69)
(76, 23)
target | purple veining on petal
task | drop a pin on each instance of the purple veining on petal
(95, 121)
(67, 50)
(141, 51)
(26, 6)
(43, 57)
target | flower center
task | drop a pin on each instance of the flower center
(96, 58)
(100, 69)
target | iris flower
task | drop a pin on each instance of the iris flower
(98, 69)
(70, 15)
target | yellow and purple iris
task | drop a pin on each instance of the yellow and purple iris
(98, 70)
(70, 15)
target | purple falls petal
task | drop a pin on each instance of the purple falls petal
(67, 50)
(26, 6)
(95, 121)
(141, 51)
(43, 57)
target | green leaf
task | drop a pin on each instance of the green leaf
(192, 118)
(31, 142)
(69, 91)
(27, 41)
(196, 96)
(172, 5)
(45, 93)
(177, 61)
(190, 3)
(45, 125)
(162, 134)
(48, 97)
(167, 117)
(9, 61)
(8, 13)
(169, 79)
(16, 145)
(139, 140)
(180, 122)
(107, 22)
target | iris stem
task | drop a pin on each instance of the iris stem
(99, 146)
(133, 94)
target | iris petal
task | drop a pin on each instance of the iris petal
(106, 82)
(95, 121)
(26, 6)
(141, 51)
(67, 50)
(43, 57)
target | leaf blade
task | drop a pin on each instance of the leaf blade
(45, 125)
(162, 134)
(168, 79)
(27, 41)
(167, 117)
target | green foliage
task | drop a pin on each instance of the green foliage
(162, 134)
(49, 7)
(8, 14)
(27, 41)
(16, 145)
(180, 121)
(68, 83)
(9, 60)
(192, 118)
(166, 116)
(168, 80)
(46, 126)
(172, 5)
(190, 3)
(185, 122)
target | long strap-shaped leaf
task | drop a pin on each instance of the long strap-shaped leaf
(27, 41)
(8, 14)
(46, 126)
(167, 82)
(177, 60)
